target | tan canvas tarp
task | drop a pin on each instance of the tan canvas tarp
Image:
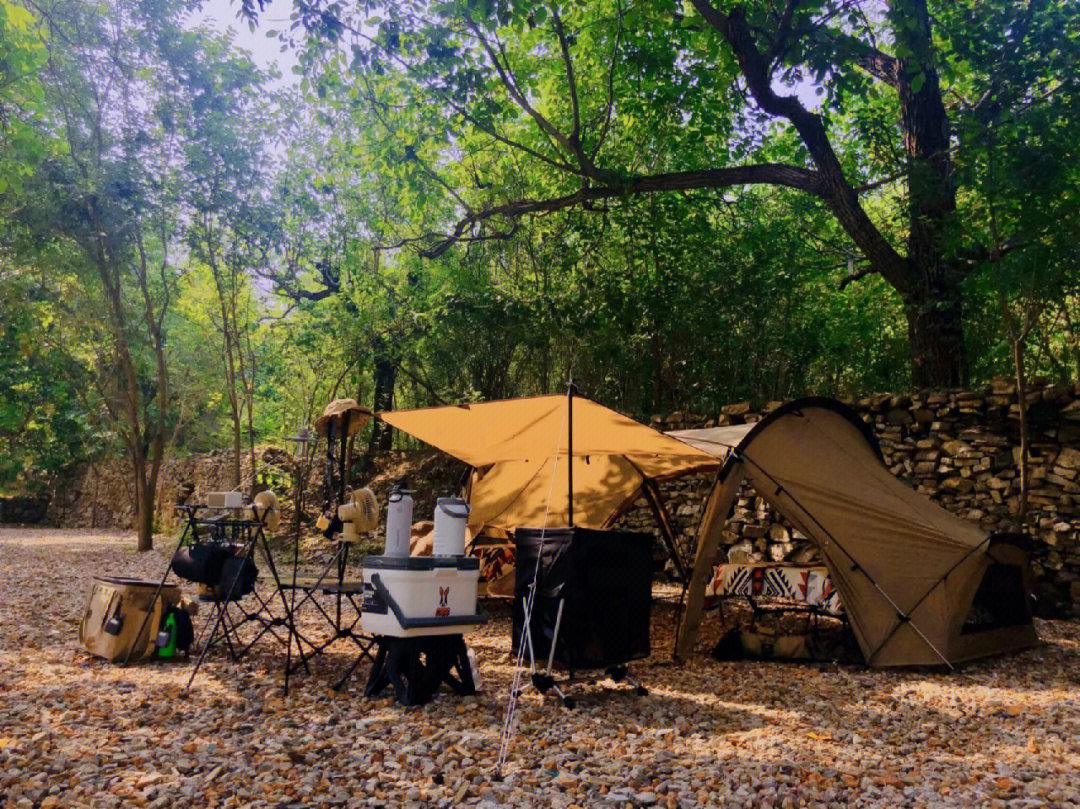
(519, 451)
(906, 569)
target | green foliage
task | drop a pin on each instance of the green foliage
(283, 246)
(22, 55)
(43, 421)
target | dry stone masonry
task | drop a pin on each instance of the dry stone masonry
(22, 510)
(99, 495)
(959, 447)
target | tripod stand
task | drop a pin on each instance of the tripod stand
(340, 420)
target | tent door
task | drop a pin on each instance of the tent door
(1001, 600)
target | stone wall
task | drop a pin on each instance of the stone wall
(958, 447)
(23, 510)
(100, 495)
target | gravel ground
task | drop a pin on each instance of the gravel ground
(76, 731)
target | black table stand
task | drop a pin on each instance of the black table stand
(544, 681)
(417, 666)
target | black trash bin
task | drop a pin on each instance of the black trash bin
(604, 579)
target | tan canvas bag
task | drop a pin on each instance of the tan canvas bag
(116, 610)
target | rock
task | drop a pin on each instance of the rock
(899, 417)
(779, 551)
(1069, 458)
(957, 449)
(923, 415)
(779, 533)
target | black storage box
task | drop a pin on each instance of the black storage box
(605, 580)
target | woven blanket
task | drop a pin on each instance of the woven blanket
(805, 584)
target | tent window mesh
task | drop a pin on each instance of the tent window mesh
(1000, 600)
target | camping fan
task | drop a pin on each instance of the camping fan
(264, 509)
(359, 514)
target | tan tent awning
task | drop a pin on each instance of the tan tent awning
(716, 441)
(519, 450)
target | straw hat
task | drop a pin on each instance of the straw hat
(336, 410)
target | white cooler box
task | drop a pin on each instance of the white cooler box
(409, 596)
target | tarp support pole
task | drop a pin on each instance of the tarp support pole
(902, 619)
(719, 505)
(343, 467)
(570, 453)
(667, 531)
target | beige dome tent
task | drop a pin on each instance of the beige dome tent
(920, 585)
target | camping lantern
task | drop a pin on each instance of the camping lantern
(451, 515)
(398, 523)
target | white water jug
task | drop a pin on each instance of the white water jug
(451, 515)
(398, 523)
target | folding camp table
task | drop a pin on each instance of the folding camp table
(228, 613)
(343, 618)
(777, 588)
(806, 588)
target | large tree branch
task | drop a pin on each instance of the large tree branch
(609, 105)
(880, 65)
(571, 82)
(980, 254)
(760, 174)
(841, 197)
(783, 32)
(506, 76)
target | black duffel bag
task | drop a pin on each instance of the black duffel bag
(201, 562)
(238, 575)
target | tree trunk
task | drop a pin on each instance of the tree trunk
(236, 452)
(658, 370)
(933, 298)
(927, 280)
(385, 378)
(249, 394)
(144, 504)
(935, 333)
(230, 350)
